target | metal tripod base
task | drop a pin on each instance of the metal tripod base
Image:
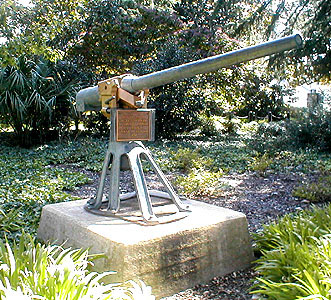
(127, 155)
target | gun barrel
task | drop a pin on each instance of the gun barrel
(88, 99)
(133, 84)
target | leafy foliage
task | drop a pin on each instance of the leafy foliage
(187, 159)
(200, 182)
(228, 154)
(203, 163)
(96, 124)
(31, 178)
(204, 160)
(316, 191)
(310, 130)
(311, 19)
(34, 271)
(35, 97)
(296, 254)
(200, 177)
(119, 33)
(101, 36)
(209, 28)
(211, 16)
(261, 164)
(28, 182)
(177, 104)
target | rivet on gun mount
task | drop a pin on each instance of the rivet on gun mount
(123, 100)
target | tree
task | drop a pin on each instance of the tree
(210, 27)
(310, 17)
(98, 35)
(116, 33)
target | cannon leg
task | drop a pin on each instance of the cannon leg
(173, 196)
(96, 203)
(143, 197)
(114, 186)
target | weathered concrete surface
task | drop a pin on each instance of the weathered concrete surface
(170, 257)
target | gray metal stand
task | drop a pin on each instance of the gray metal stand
(127, 155)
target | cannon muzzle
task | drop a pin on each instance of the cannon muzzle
(88, 99)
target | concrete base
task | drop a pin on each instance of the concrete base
(211, 241)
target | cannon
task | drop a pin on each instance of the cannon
(123, 99)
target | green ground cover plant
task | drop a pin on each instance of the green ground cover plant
(199, 162)
(28, 182)
(296, 255)
(316, 191)
(31, 178)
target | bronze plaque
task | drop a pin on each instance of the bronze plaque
(133, 125)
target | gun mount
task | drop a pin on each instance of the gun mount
(123, 99)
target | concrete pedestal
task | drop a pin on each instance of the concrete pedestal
(211, 241)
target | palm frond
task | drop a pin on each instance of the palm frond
(29, 94)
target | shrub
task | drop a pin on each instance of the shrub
(200, 182)
(261, 164)
(186, 159)
(316, 191)
(311, 130)
(202, 176)
(35, 97)
(216, 125)
(249, 127)
(208, 126)
(296, 253)
(271, 137)
(96, 124)
(30, 270)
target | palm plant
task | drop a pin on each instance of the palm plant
(35, 97)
